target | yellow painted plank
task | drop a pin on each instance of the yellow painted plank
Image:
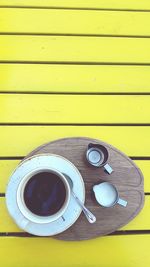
(74, 49)
(6, 169)
(20, 140)
(74, 78)
(26, 108)
(7, 223)
(115, 251)
(8, 166)
(140, 222)
(60, 21)
(144, 165)
(124, 4)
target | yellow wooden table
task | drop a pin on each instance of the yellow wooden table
(75, 68)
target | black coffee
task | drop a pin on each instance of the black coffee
(44, 194)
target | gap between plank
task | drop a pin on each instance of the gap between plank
(71, 124)
(75, 8)
(71, 93)
(12, 158)
(116, 233)
(74, 63)
(74, 34)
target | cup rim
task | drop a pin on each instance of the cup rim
(25, 210)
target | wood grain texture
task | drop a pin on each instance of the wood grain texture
(74, 78)
(126, 177)
(85, 50)
(24, 108)
(61, 21)
(110, 4)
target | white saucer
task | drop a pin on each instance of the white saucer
(72, 212)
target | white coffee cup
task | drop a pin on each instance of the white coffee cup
(30, 215)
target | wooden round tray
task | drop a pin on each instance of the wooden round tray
(126, 176)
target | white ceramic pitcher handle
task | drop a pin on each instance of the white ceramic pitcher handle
(122, 202)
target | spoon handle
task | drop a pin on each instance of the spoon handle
(89, 215)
